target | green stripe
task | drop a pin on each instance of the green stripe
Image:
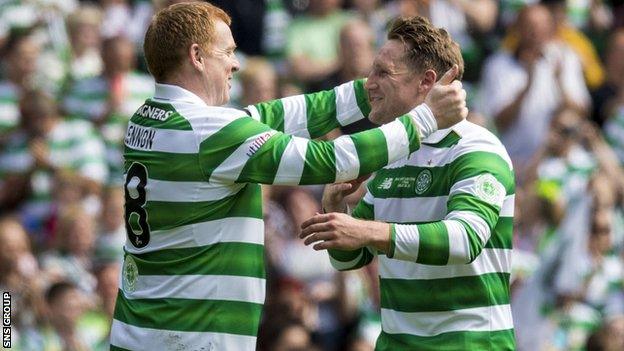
(262, 166)
(174, 121)
(453, 341)
(412, 133)
(117, 348)
(321, 112)
(450, 140)
(227, 258)
(166, 165)
(371, 146)
(448, 294)
(346, 256)
(361, 97)
(502, 236)
(168, 215)
(364, 210)
(444, 177)
(272, 114)
(232, 317)
(320, 163)
(433, 244)
(470, 203)
(219, 146)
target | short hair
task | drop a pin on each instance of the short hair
(174, 29)
(427, 47)
(57, 290)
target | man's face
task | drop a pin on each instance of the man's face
(119, 56)
(22, 62)
(392, 87)
(220, 64)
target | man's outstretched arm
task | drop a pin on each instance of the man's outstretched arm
(314, 115)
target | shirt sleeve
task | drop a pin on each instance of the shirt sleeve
(247, 151)
(314, 115)
(482, 185)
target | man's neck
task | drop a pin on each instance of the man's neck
(192, 84)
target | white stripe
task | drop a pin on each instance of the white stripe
(295, 117)
(489, 261)
(162, 190)
(9, 113)
(478, 224)
(200, 287)
(234, 229)
(205, 120)
(347, 161)
(459, 249)
(397, 140)
(167, 140)
(491, 318)
(508, 206)
(136, 338)
(406, 242)
(347, 109)
(441, 157)
(291, 165)
(401, 210)
(415, 209)
(340, 265)
(368, 197)
(230, 169)
(254, 112)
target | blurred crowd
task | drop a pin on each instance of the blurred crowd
(546, 76)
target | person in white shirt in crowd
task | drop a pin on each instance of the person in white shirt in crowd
(522, 89)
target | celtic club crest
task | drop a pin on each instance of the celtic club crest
(130, 274)
(489, 189)
(423, 181)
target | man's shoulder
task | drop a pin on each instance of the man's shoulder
(475, 138)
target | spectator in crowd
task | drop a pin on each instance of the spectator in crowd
(312, 44)
(112, 231)
(109, 100)
(259, 81)
(72, 256)
(83, 60)
(20, 275)
(45, 144)
(107, 274)
(71, 327)
(19, 55)
(524, 88)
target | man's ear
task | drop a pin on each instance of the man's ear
(195, 57)
(428, 81)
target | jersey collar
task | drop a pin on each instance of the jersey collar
(176, 93)
(440, 134)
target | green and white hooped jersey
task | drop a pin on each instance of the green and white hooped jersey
(445, 283)
(193, 274)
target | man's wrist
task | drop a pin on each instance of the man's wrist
(381, 236)
(424, 118)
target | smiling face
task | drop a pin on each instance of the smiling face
(393, 88)
(219, 64)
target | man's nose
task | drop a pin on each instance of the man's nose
(370, 83)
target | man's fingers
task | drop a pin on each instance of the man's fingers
(449, 76)
(314, 228)
(324, 245)
(322, 236)
(319, 218)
